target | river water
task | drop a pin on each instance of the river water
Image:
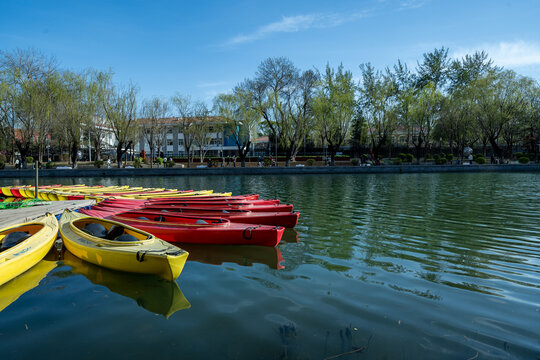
(435, 266)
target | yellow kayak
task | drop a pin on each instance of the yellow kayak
(152, 293)
(121, 247)
(6, 191)
(24, 245)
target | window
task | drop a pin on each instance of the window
(169, 142)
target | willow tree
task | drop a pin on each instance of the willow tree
(120, 106)
(377, 105)
(202, 128)
(240, 117)
(24, 75)
(334, 108)
(424, 114)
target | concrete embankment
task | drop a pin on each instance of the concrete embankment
(384, 169)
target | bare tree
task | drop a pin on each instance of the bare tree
(120, 106)
(154, 111)
(185, 109)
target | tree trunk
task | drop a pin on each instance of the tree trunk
(495, 147)
(74, 153)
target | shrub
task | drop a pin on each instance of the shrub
(436, 157)
(397, 161)
(170, 163)
(137, 162)
(410, 157)
(354, 162)
(64, 157)
(440, 160)
(159, 160)
(2, 165)
(518, 155)
(3, 158)
(267, 161)
(29, 160)
(480, 159)
(523, 160)
(49, 165)
(449, 157)
(98, 163)
(403, 156)
(310, 162)
(429, 157)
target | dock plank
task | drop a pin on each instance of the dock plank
(14, 216)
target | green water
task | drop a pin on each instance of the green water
(435, 266)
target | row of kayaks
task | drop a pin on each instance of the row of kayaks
(99, 192)
(137, 235)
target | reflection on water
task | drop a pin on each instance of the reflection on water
(149, 292)
(443, 266)
(245, 255)
(13, 289)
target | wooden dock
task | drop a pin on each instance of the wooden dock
(13, 216)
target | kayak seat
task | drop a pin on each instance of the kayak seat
(164, 210)
(114, 232)
(160, 218)
(224, 211)
(201, 222)
(142, 218)
(13, 239)
(95, 229)
(126, 237)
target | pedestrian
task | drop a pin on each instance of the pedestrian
(17, 164)
(470, 159)
(234, 161)
(108, 163)
(228, 161)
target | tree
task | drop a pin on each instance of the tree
(120, 107)
(282, 96)
(424, 113)
(434, 68)
(377, 105)
(334, 108)
(202, 127)
(97, 125)
(25, 95)
(152, 126)
(241, 119)
(185, 109)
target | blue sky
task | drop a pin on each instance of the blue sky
(203, 48)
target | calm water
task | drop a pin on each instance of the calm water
(443, 266)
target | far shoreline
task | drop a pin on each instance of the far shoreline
(225, 171)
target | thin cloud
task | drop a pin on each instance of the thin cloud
(508, 54)
(411, 4)
(291, 24)
(213, 84)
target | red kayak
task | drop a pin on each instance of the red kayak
(220, 206)
(215, 200)
(287, 220)
(200, 230)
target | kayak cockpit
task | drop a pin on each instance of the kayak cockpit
(109, 231)
(14, 236)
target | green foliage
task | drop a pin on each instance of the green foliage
(355, 162)
(440, 160)
(479, 159)
(429, 157)
(2, 165)
(449, 157)
(29, 159)
(402, 156)
(436, 157)
(397, 161)
(3, 158)
(310, 162)
(170, 163)
(98, 163)
(267, 161)
(49, 165)
(137, 162)
(523, 160)
(410, 157)
(518, 155)
(159, 160)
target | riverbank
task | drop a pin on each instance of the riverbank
(177, 171)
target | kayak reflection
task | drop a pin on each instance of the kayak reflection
(149, 292)
(13, 289)
(245, 255)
